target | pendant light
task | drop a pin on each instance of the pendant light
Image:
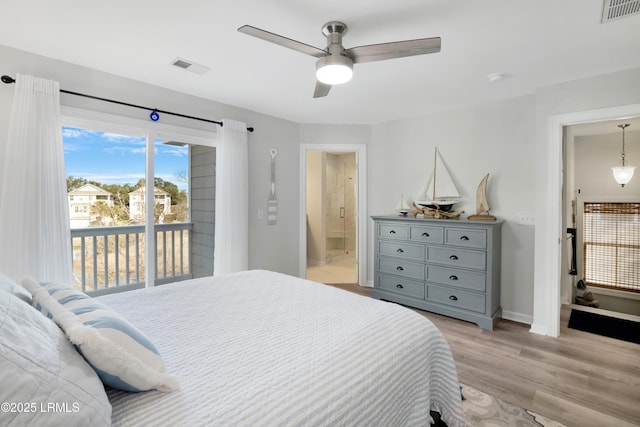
(623, 174)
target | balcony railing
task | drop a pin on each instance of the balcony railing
(111, 259)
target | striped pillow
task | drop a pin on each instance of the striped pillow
(122, 356)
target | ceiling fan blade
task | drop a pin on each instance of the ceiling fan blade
(283, 41)
(321, 90)
(382, 51)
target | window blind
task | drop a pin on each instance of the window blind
(611, 239)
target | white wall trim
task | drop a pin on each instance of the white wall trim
(547, 283)
(361, 156)
(517, 317)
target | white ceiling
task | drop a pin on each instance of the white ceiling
(535, 43)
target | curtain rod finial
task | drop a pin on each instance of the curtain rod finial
(8, 80)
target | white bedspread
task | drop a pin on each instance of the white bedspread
(259, 348)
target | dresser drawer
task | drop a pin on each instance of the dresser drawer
(403, 268)
(456, 298)
(402, 250)
(427, 234)
(401, 286)
(466, 237)
(471, 280)
(457, 257)
(393, 231)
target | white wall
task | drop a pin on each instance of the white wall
(495, 138)
(594, 157)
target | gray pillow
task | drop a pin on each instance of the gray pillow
(45, 381)
(8, 285)
(122, 356)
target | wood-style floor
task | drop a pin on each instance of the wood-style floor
(579, 379)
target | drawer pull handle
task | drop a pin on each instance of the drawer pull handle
(453, 298)
(425, 234)
(399, 268)
(453, 258)
(453, 277)
(400, 250)
(399, 286)
(465, 238)
(392, 232)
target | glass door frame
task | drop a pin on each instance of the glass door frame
(111, 123)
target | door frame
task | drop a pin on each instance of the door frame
(361, 205)
(107, 122)
(548, 231)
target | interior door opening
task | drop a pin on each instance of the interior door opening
(331, 216)
(600, 273)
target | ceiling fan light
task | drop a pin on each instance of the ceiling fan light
(623, 174)
(334, 69)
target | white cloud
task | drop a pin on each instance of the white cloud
(130, 178)
(77, 133)
(126, 150)
(70, 146)
(173, 151)
(124, 139)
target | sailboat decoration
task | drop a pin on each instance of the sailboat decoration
(440, 193)
(482, 205)
(403, 207)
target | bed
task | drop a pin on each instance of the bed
(255, 348)
(262, 348)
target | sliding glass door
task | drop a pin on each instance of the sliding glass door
(129, 195)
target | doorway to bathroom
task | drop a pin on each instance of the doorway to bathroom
(331, 206)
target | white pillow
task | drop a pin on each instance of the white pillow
(122, 356)
(8, 285)
(44, 381)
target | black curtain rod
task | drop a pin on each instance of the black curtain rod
(9, 80)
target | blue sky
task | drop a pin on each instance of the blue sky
(119, 159)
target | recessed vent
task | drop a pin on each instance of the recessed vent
(182, 64)
(616, 9)
(191, 66)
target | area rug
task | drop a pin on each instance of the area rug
(483, 410)
(612, 327)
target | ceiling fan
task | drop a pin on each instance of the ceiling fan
(335, 63)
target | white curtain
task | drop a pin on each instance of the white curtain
(34, 216)
(231, 251)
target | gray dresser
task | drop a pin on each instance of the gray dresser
(450, 267)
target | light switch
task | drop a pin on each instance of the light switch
(526, 218)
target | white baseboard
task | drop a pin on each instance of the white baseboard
(538, 329)
(517, 317)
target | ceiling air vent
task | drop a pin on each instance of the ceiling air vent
(182, 64)
(616, 9)
(191, 66)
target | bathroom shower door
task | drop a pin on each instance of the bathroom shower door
(331, 214)
(340, 210)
